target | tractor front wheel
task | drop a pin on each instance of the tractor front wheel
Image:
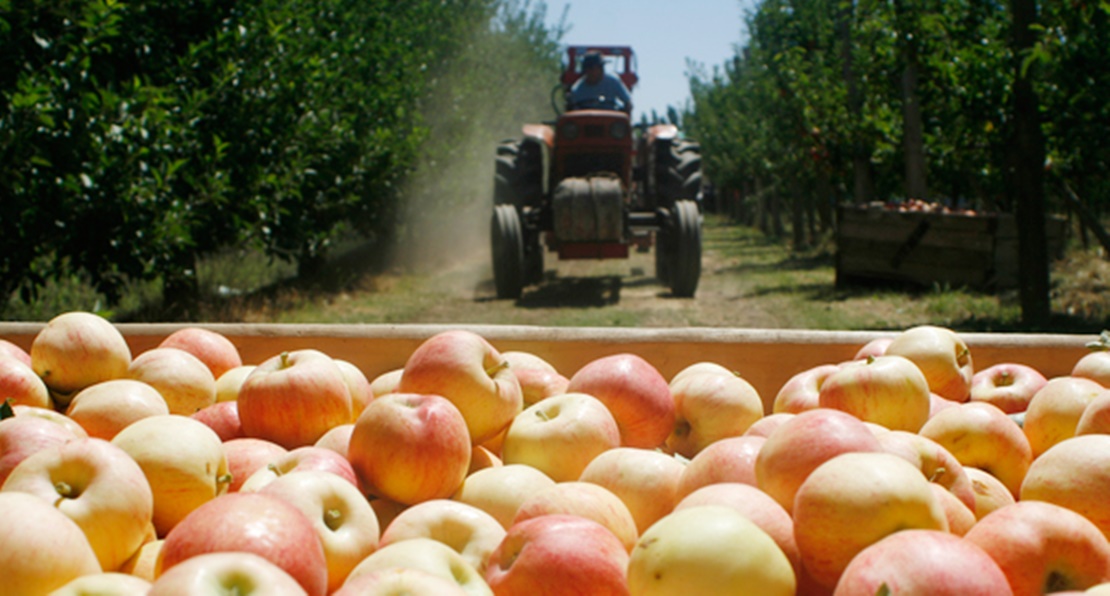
(678, 254)
(507, 246)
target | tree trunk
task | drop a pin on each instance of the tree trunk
(913, 135)
(861, 156)
(1026, 156)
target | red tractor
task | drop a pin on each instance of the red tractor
(591, 186)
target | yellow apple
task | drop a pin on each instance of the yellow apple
(644, 479)
(982, 436)
(1074, 473)
(500, 491)
(108, 407)
(184, 381)
(941, 354)
(471, 532)
(1054, 412)
(77, 349)
(560, 435)
(710, 406)
(583, 499)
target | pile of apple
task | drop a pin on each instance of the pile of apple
(182, 470)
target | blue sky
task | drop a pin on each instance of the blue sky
(663, 33)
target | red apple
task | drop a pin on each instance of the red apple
(256, 523)
(982, 436)
(213, 348)
(1007, 385)
(803, 443)
(108, 407)
(43, 548)
(1095, 366)
(990, 493)
(559, 554)
(802, 391)
(1096, 417)
(337, 439)
(78, 349)
(960, 516)
(294, 398)
(183, 380)
(358, 384)
(586, 500)
(11, 350)
(1042, 547)
(635, 392)
(23, 436)
(922, 562)
(941, 354)
(50, 415)
(766, 425)
(20, 384)
(410, 448)
(247, 455)
(874, 347)
(222, 417)
(298, 460)
(888, 390)
(936, 462)
(727, 460)
(1074, 473)
(560, 435)
(538, 378)
(220, 573)
(467, 370)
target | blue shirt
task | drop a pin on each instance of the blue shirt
(609, 93)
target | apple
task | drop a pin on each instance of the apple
(709, 407)
(50, 415)
(803, 443)
(754, 504)
(108, 407)
(1053, 413)
(1074, 473)
(386, 382)
(357, 384)
(936, 462)
(1094, 366)
(874, 347)
(586, 500)
(229, 383)
(701, 367)
(142, 564)
(222, 417)
(852, 501)
(923, 562)
(990, 492)
(960, 516)
(471, 532)
(467, 370)
(802, 391)
(219, 573)
(294, 398)
(342, 517)
(1008, 385)
(938, 404)
(1042, 547)
(1096, 417)
(482, 457)
(21, 385)
(77, 349)
(11, 350)
(560, 435)
(337, 439)
(213, 348)
(395, 581)
(258, 523)
(301, 459)
(537, 377)
(43, 548)
(764, 426)
(982, 436)
(727, 460)
(183, 380)
(708, 549)
(182, 459)
(98, 486)
(410, 447)
(887, 390)
(247, 455)
(635, 392)
(941, 354)
(23, 436)
(500, 491)
(645, 480)
(426, 555)
(559, 554)
(109, 582)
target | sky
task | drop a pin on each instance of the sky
(663, 34)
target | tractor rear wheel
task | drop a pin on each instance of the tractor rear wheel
(507, 246)
(684, 267)
(678, 172)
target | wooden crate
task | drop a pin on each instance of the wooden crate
(920, 248)
(766, 358)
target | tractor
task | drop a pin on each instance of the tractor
(590, 185)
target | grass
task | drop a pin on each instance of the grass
(749, 280)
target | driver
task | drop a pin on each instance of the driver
(597, 89)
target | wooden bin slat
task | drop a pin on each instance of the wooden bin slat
(766, 358)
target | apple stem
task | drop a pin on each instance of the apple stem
(223, 479)
(64, 488)
(937, 473)
(870, 358)
(542, 414)
(273, 468)
(331, 518)
(1102, 344)
(493, 370)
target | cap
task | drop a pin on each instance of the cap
(591, 60)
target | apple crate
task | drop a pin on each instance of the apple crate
(766, 358)
(922, 248)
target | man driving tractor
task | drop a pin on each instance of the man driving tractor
(597, 89)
